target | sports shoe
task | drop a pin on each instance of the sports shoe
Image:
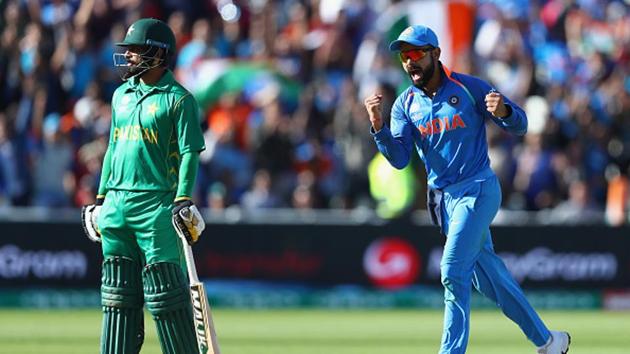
(557, 344)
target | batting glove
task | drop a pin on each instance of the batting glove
(89, 216)
(188, 221)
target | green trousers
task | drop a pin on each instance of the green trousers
(137, 225)
(143, 263)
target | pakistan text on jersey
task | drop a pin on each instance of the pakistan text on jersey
(438, 125)
(136, 133)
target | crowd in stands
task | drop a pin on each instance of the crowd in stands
(295, 134)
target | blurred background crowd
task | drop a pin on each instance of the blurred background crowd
(281, 85)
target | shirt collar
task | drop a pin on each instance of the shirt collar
(163, 84)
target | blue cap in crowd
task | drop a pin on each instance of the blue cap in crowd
(417, 35)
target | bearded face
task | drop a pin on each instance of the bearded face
(419, 63)
(136, 60)
(421, 74)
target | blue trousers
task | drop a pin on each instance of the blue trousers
(469, 258)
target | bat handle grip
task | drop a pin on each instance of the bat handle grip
(190, 263)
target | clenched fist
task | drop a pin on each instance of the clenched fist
(373, 106)
(495, 105)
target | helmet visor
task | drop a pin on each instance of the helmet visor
(135, 60)
(120, 60)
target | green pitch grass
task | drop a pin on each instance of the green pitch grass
(320, 331)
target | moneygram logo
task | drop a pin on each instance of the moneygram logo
(391, 263)
(541, 264)
(16, 263)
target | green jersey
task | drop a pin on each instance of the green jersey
(152, 126)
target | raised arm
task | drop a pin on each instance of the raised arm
(505, 113)
(493, 105)
(396, 142)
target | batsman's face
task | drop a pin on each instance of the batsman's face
(418, 62)
(134, 53)
(132, 60)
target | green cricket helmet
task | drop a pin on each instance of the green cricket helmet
(157, 42)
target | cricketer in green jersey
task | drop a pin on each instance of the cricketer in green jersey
(148, 174)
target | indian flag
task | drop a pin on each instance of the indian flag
(451, 20)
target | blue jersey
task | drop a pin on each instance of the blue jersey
(448, 130)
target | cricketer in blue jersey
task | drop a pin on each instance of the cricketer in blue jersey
(443, 115)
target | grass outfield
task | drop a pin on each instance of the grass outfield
(320, 331)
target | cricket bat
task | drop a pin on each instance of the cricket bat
(204, 328)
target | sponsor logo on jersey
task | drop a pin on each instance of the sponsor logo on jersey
(438, 125)
(135, 133)
(414, 113)
(124, 102)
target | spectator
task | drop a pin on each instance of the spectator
(12, 186)
(578, 208)
(305, 195)
(618, 202)
(197, 47)
(260, 194)
(52, 168)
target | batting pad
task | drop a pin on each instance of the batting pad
(121, 297)
(168, 299)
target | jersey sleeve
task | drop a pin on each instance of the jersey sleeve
(106, 166)
(396, 142)
(515, 122)
(105, 172)
(112, 123)
(187, 175)
(186, 115)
